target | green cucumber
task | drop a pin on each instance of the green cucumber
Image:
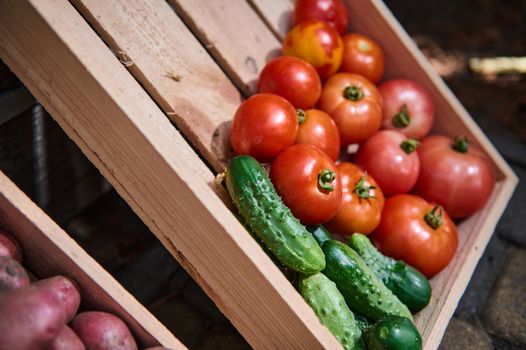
(328, 304)
(362, 322)
(407, 283)
(360, 287)
(393, 333)
(265, 216)
(320, 233)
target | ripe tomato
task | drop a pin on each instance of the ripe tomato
(416, 232)
(362, 202)
(308, 181)
(318, 129)
(408, 108)
(458, 177)
(317, 43)
(263, 126)
(391, 159)
(362, 55)
(355, 105)
(333, 12)
(293, 79)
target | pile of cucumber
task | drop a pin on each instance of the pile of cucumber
(363, 297)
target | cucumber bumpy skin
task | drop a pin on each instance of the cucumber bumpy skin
(265, 216)
(407, 283)
(360, 287)
(329, 305)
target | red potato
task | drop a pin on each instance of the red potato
(66, 291)
(12, 274)
(67, 340)
(103, 331)
(10, 247)
(30, 319)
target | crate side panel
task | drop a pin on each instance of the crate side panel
(49, 251)
(59, 57)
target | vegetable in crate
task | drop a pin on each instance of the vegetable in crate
(390, 158)
(318, 129)
(10, 247)
(407, 108)
(333, 12)
(293, 79)
(417, 232)
(265, 215)
(263, 126)
(320, 233)
(103, 331)
(65, 290)
(308, 182)
(362, 202)
(362, 290)
(455, 175)
(362, 55)
(67, 340)
(393, 333)
(318, 43)
(407, 283)
(329, 305)
(355, 105)
(12, 274)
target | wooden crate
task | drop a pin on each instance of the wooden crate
(111, 72)
(49, 251)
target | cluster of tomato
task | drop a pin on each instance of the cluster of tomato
(337, 73)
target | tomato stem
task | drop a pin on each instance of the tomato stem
(353, 93)
(301, 115)
(402, 119)
(325, 177)
(461, 144)
(433, 219)
(409, 145)
(363, 191)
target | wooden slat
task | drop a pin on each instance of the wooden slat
(49, 251)
(276, 13)
(123, 132)
(234, 34)
(163, 55)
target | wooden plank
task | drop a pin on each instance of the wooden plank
(163, 55)
(49, 251)
(59, 57)
(277, 14)
(235, 36)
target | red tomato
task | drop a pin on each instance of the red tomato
(362, 202)
(318, 129)
(317, 43)
(391, 159)
(458, 177)
(416, 232)
(408, 108)
(362, 55)
(263, 126)
(333, 12)
(293, 79)
(308, 182)
(355, 105)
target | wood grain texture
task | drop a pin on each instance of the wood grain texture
(163, 55)
(49, 251)
(124, 133)
(234, 34)
(277, 14)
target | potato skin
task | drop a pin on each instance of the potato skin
(12, 274)
(102, 331)
(66, 340)
(10, 247)
(31, 318)
(66, 291)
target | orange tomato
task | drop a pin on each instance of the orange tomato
(317, 43)
(362, 55)
(318, 129)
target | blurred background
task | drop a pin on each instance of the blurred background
(39, 158)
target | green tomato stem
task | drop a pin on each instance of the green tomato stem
(433, 218)
(353, 93)
(409, 145)
(301, 115)
(461, 144)
(363, 191)
(325, 178)
(402, 119)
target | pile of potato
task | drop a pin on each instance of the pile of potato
(43, 314)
